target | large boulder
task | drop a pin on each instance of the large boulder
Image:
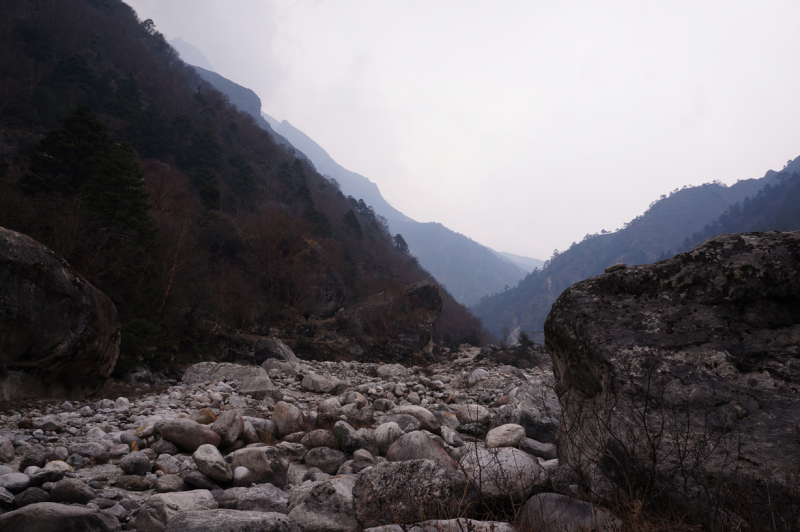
(553, 512)
(159, 510)
(503, 474)
(250, 380)
(60, 335)
(266, 464)
(189, 434)
(682, 375)
(273, 348)
(417, 446)
(231, 521)
(535, 407)
(409, 491)
(327, 506)
(54, 517)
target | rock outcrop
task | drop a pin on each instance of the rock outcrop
(59, 335)
(692, 361)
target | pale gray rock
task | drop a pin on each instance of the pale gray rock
(15, 482)
(288, 419)
(231, 521)
(503, 474)
(472, 413)
(274, 349)
(169, 483)
(330, 406)
(407, 423)
(427, 420)
(318, 383)
(210, 462)
(391, 371)
(477, 376)
(229, 425)
(462, 525)
(407, 491)
(97, 450)
(327, 506)
(160, 509)
(386, 434)
(508, 435)
(266, 464)
(170, 464)
(418, 446)
(259, 498)
(295, 451)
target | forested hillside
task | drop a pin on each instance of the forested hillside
(181, 208)
(659, 233)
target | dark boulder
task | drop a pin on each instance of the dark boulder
(679, 380)
(60, 335)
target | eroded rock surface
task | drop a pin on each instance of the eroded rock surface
(60, 335)
(710, 341)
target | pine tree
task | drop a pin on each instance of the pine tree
(400, 244)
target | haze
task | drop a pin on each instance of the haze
(524, 125)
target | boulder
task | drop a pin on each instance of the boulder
(325, 459)
(274, 349)
(189, 434)
(288, 419)
(250, 380)
(259, 498)
(229, 425)
(473, 413)
(15, 482)
(558, 513)
(461, 525)
(135, 463)
(169, 483)
(350, 440)
(327, 507)
(54, 517)
(60, 334)
(318, 438)
(405, 492)
(427, 421)
(159, 510)
(508, 435)
(71, 490)
(386, 434)
(535, 407)
(265, 464)
(418, 446)
(318, 383)
(6, 450)
(231, 521)
(713, 334)
(536, 448)
(503, 474)
(210, 462)
(391, 371)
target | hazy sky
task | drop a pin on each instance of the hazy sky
(522, 124)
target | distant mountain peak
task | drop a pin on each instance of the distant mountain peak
(191, 54)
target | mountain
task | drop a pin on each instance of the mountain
(526, 263)
(659, 233)
(191, 54)
(242, 98)
(197, 224)
(468, 269)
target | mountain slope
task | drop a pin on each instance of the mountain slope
(468, 269)
(526, 263)
(190, 54)
(173, 202)
(657, 234)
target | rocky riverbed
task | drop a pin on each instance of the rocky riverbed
(295, 445)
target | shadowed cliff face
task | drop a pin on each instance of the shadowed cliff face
(59, 335)
(704, 347)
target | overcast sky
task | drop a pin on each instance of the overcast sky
(521, 124)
